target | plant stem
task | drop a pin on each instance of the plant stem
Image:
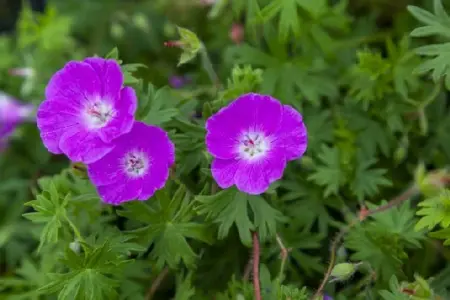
(156, 283)
(256, 253)
(208, 66)
(364, 213)
(284, 256)
(76, 233)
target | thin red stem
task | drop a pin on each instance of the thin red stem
(256, 253)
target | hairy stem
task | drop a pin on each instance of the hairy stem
(156, 283)
(256, 253)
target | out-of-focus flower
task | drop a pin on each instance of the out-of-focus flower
(251, 140)
(85, 109)
(326, 297)
(177, 82)
(12, 113)
(237, 33)
(22, 72)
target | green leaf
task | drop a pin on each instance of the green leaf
(384, 240)
(329, 174)
(51, 210)
(190, 44)
(367, 180)
(89, 275)
(436, 24)
(169, 226)
(230, 207)
(160, 106)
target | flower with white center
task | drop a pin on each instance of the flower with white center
(85, 109)
(136, 167)
(251, 141)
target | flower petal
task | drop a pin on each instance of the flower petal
(53, 119)
(224, 171)
(110, 74)
(255, 177)
(155, 179)
(74, 83)
(82, 146)
(108, 170)
(123, 121)
(292, 133)
(116, 194)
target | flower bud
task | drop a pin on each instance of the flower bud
(344, 271)
(75, 246)
(237, 33)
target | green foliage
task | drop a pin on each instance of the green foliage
(436, 23)
(170, 224)
(383, 242)
(230, 207)
(371, 80)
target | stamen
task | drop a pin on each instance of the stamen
(253, 145)
(136, 164)
(98, 114)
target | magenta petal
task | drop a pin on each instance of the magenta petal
(292, 133)
(108, 170)
(224, 171)
(74, 83)
(128, 101)
(116, 194)
(122, 123)
(155, 180)
(249, 112)
(83, 146)
(53, 119)
(255, 177)
(110, 74)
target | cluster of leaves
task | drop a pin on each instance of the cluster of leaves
(371, 82)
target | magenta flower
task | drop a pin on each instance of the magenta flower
(136, 167)
(86, 108)
(12, 113)
(177, 82)
(251, 141)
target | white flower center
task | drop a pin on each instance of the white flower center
(98, 114)
(136, 164)
(253, 145)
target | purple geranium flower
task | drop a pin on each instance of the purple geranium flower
(177, 82)
(86, 108)
(251, 140)
(136, 167)
(12, 113)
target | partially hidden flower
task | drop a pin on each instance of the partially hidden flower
(137, 167)
(177, 82)
(12, 113)
(85, 109)
(251, 141)
(326, 297)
